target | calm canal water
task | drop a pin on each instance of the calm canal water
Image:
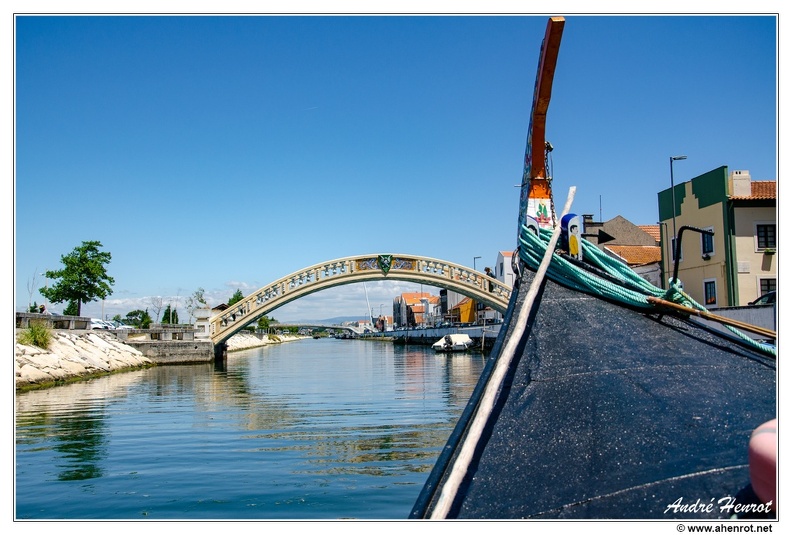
(312, 429)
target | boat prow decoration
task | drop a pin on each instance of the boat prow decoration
(536, 196)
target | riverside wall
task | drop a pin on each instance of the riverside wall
(74, 354)
(174, 351)
(247, 340)
(81, 354)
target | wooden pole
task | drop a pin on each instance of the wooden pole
(712, 317)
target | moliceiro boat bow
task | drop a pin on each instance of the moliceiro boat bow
(605, 397)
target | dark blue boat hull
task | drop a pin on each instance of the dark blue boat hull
(609, 413)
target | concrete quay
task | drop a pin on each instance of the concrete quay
(429, 336)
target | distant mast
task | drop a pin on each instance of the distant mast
(370, 312)
(536, 196)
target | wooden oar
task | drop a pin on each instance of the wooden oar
(712, 317)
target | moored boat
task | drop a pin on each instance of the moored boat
(452, 343)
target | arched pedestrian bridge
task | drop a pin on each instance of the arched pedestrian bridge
(354, 269)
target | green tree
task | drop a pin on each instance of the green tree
(33, 307)
(264, 322)
(83, 278)
(167, 317)
(138, 318)
(237, 297)
(71, 309)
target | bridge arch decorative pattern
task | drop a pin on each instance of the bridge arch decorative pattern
(355, 269)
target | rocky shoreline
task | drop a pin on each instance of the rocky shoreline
(249, 340)
(81, 354)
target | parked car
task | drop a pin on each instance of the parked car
(98, 324)
(767, 299)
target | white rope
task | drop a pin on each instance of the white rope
(487, 403)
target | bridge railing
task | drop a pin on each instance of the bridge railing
(359, 269)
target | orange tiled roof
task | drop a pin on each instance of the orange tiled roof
(464, 301)
(760, 189)
(636, 255)
(414, 298)
(652, 230)
(763, 189)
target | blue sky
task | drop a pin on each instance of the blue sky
(227, 152)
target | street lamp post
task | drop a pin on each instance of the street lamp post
(474, 262)
(673, 195)
(663, 226)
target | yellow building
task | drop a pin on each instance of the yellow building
(464, 311)
(737, 263)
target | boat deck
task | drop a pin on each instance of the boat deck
(610, 413)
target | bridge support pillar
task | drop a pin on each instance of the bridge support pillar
(221, 352)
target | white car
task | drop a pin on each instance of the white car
(98, 324)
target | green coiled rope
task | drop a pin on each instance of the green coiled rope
(631, 289)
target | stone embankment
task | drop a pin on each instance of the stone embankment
(73, 354)
(249, 340)
(76, 354)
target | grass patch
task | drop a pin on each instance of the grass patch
(37, 334)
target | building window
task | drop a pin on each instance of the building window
(766, 286)
(710, 293)
(765, 236)
(673, 251)
(707, 243)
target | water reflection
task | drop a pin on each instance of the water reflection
(287, 420)
(72, 420)
(82, 445)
